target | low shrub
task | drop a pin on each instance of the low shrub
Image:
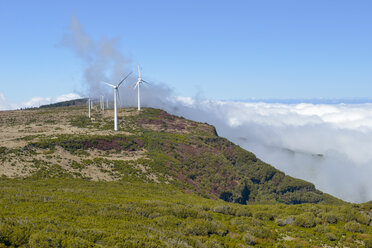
(353, 227)
(249, 239)
(331, 236)
(282, 222)
(330, 218)
(305, 220)
(368, 243)
(224, 209)
(203, 228)
(362, 219)
(264, 216)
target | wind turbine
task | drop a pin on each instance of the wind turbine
(115, 105)
(139, 82)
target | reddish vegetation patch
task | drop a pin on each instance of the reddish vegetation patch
(181, 177)
(104, 145)
(115, 143)
(190, 181)
(230, 153)
(165, 121)
(189, 150)
(179, 126)
(187, 191)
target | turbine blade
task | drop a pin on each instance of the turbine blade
(124, 79)
(113, 86)
(146, 82)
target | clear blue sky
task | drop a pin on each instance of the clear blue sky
(217, 49)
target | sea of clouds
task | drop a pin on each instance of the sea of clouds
(328, 145)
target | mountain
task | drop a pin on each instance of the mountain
(74, 102)
(151, 146)
(160, 181)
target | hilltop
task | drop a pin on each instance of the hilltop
(160, 181)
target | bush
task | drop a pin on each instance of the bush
(203, 228)
(330, 218)
(305, 220)
(224, 209)
(368, 243)
(353, 227)
(76, 243)
(282, 222)
(42, 239)
(243, 212)
(249, 239)
(264, 216)
(261, 232)
(331, 236)
(363, 219)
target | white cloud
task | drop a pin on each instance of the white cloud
(67, 97)
(35, 101)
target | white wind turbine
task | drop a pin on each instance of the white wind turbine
(89, 107)
(115, 105)
(139, 82)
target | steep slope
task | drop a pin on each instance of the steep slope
(151, 146)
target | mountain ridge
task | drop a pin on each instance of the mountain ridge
(153, 145)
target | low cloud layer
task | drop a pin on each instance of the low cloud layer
(329, 145)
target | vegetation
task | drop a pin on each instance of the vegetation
(193, 155)
(161, 181)
(75, 102)
(83, 213)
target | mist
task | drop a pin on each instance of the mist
(326, 144)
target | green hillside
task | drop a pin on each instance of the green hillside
(173, 150)
(161, 181)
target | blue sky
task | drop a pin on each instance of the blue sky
(212, 49)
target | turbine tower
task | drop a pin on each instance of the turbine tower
(139, 82)
(89, 107)
(115, 105)
(102, 103)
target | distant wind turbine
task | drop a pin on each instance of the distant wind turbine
(139, 82)
(102, 103)
(115, 105)
(89, 107)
